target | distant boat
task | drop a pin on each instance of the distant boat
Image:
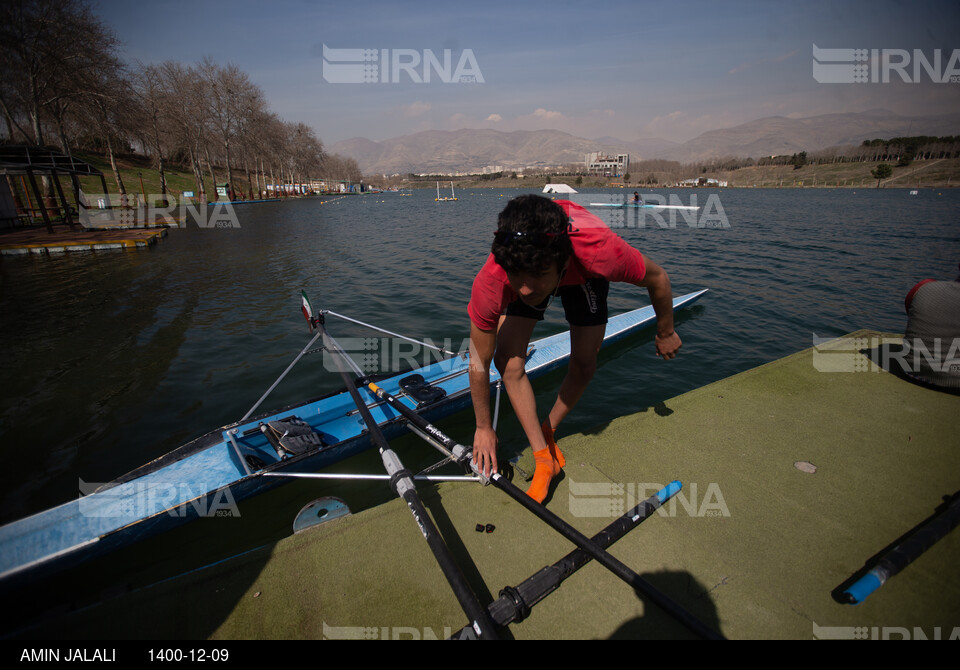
(452, 194)
(641, 205)
(914, 192)
(558, 188)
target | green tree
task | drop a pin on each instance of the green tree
(909, 153)
(881, 172)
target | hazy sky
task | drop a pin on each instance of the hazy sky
(627, 69)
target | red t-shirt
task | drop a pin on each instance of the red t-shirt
(597, 252)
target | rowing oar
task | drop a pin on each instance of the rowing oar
(515, 603)
(596, 552)
(587, 545)
(904, 554)
(401, 480)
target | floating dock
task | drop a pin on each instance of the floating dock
(796, 476)
(36, 240)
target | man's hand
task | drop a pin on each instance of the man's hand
(669, 345)
(483, 343)
(485, 451)
(657, 283)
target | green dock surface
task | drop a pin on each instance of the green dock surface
(795, 476)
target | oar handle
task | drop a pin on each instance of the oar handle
(866, 585)
(898, 558)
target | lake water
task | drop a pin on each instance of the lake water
(113, 359)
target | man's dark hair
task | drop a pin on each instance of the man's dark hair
(532, 236)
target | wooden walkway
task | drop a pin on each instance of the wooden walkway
(36, 240)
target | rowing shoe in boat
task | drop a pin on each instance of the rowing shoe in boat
(232, 463)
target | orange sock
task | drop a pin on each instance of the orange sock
(549, 463)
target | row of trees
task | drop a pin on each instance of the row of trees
(906, 149)
(900, 150)
(62, 83)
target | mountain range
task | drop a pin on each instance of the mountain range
(472, 150)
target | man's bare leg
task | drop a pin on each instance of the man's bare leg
(585, 343)
(510, 358)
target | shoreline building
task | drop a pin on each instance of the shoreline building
(603, 164)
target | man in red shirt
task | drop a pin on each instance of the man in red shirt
(543, 249)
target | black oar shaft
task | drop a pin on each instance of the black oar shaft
(458, 451)
(582, 541)
(402, 482)
(513, 603)
(898, 558)
(596, 552)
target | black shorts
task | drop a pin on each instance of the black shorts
(583, 305)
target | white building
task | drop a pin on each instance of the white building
(604, 164)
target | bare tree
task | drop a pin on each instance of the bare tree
(341, 168)
(305, 151)
(106, 103)
(152, 99)
(273, 136)
(60, 75)
(253, 115)
(184, 112)
(50, 52)
(230, 98)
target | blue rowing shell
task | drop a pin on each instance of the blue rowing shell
(637, 205)
(229, 464)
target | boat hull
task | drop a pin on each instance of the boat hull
(633, 205)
